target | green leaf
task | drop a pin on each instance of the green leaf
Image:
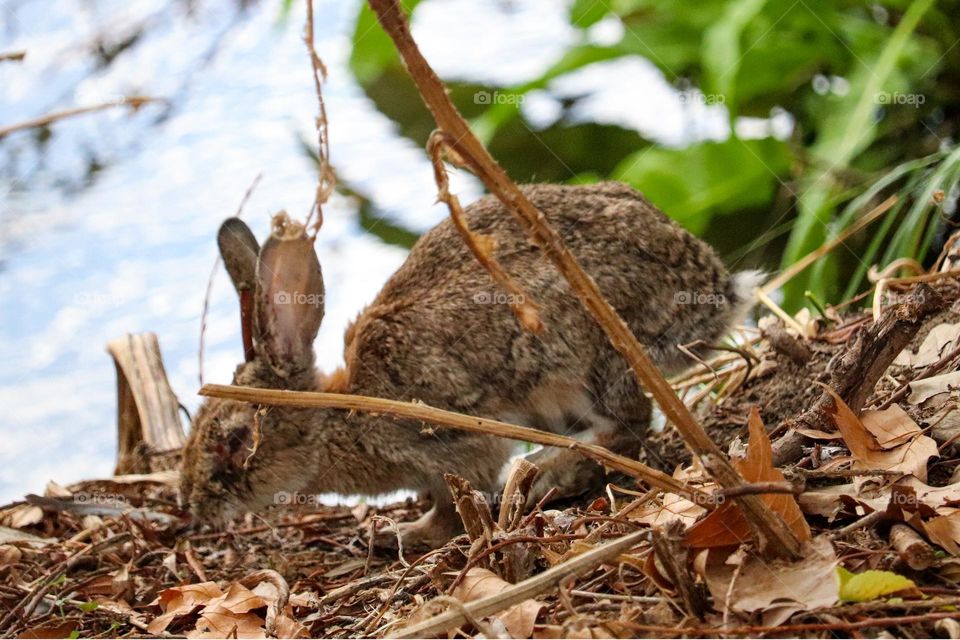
(586, 13)
(848, 129)
(869, 585)
(722, 53)
(87, 607)
(373, 51)
(694, 184)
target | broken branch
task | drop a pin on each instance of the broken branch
(453, 420)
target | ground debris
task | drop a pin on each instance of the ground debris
(877, 498)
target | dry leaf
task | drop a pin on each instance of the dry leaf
(287, 627)
(891, 427)
(747, 583)
(9, 554)
(674, 508)
(945, 531)
(179, 601)
(945, 424)
(480, 583)
(58, 629)
(923, 390)
(54, 490)
(222, 614)
(910, 457)
(217, 622)
(238, 599)
(22, 515)
(726, 526)
(938, 341)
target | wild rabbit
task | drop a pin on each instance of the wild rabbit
(441, 332)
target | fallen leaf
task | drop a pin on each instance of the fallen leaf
(746, 583)
(217, 622)
(891, 427)
(54, 490)
(9, 554)
(936, 343)
(179, 601)
(237, 599)
(673, 508)
(910, 457)
(59, 629)
(22, 515)
(726, 526)
(870, 585)
(480, 583)
(923, 390)
(287, 627)
(945, 531)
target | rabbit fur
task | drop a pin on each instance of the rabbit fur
(441, 332)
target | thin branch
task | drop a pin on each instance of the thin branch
(13, 56)
(453, 420)
(521, 591)
(482, 247)
(326, 179)
(134, 102)
(774, 535)
(213, 275)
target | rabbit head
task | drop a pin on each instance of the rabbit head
(227, 468)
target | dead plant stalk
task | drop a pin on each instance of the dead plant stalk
(133, 102)
(773, 534)
(440, 417)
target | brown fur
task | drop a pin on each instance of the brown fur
(438, 333)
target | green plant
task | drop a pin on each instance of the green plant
(871, 90)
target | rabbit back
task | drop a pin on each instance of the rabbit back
(442, 332)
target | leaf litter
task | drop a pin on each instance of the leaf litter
(72, 572)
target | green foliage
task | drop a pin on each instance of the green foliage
(870, 585)
(695, 184)
(870, 89)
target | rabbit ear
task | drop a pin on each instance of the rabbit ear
(239, 250)
(289, 301)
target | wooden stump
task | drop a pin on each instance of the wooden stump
(150, 434)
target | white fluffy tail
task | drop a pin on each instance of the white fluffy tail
(742, 285)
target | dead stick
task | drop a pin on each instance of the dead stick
(773, 534)
(134, 102)
(482, 247)
(451, 419)
(521, 591)
(13, 56)
(862, 364)
(912, 549)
